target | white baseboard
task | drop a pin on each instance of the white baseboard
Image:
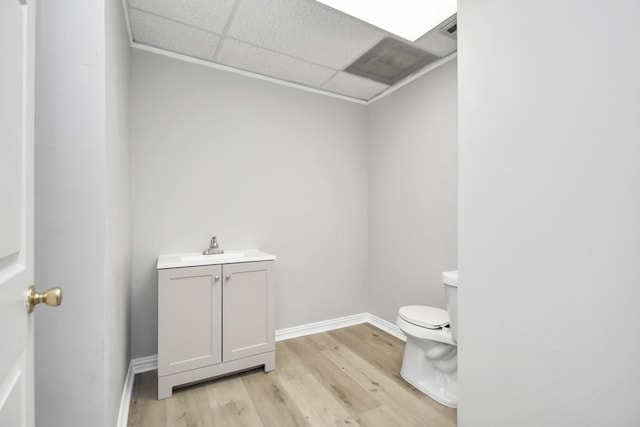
(149, 363)
(136, 366)
(323, 326)
(388, 327)
(144, 364)
(125, 401)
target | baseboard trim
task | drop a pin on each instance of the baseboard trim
(136, 366)
(144, 364)
(388, 327)
(149, 363)
(125, 401)
(323, 326)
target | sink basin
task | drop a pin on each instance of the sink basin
(225, 256)
(195, 259)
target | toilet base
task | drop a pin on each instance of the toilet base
(434, 391)
(431, 367)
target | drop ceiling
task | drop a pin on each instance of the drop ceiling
(301, 42)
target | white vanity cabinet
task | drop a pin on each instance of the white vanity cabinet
(214, 319)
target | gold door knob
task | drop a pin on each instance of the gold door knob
(51, 297)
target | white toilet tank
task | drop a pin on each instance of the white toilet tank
(450, 280)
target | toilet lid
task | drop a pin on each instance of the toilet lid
(427, 317)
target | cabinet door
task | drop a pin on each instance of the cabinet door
(189, 318)
(248, 314)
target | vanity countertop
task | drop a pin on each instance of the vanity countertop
(194, 259)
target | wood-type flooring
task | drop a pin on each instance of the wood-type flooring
(345, 377)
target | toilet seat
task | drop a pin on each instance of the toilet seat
(425, 316)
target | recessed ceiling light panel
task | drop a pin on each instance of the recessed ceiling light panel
(408, 19)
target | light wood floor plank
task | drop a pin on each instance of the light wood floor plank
(144, 409)
(343, 388)
(275, 405)
(385, 353)
(183, 411)
(319, 407)
(234, 414)
(289, 364)
(231, 404)
(349, 376)
(417, 408)
(382, 416)
(225, 390)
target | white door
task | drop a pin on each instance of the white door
(17, 22)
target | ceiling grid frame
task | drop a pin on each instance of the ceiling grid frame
(283, 62)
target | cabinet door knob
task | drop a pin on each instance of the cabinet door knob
(228, 276)
(216, 278)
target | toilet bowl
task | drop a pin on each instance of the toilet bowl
(430, 361)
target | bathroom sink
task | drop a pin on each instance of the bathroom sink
(225, 256)
(228, 257)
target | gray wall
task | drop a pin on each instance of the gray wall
(259, 165)
(80, 224)
(69, 212)
(413, 159)
(117, 281)
(549, 234)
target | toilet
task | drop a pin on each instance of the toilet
(430, 361)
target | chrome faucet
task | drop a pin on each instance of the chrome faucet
(213, 248)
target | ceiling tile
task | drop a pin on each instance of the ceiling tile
(304, 29)
(436, 42)
(299, 41)
(172, 36)
(244, 56)
(205, 14)
(354, 86)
